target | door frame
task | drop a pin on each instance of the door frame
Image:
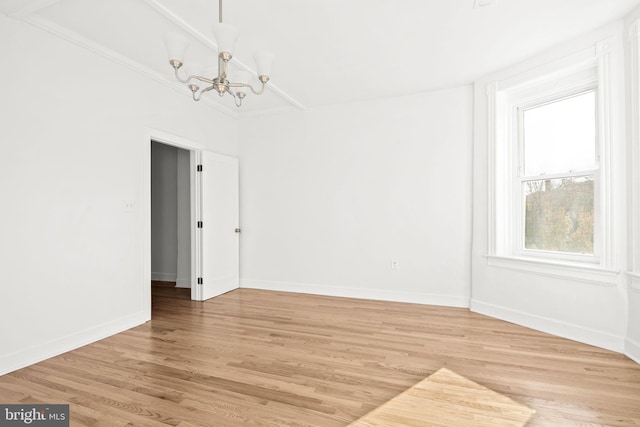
(194, 149)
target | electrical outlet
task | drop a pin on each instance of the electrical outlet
(394, 264)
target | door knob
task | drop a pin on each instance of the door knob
(237, 230)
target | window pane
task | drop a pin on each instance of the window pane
(559, 215)
(561, 136)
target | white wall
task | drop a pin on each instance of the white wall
(581, 309)
(164, 212)
(73, 156)
(329, 196)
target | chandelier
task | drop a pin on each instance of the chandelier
(226, 36)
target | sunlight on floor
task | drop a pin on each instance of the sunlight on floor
(447, 399)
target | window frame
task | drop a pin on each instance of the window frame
(589, 68)
(519, 196)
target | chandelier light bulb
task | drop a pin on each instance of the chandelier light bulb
(176, 44)
(226, 36)
(264, 61)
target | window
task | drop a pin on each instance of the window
(556, 175)
(551, 204)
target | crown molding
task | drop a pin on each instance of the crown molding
(207, 41)
(111, 55)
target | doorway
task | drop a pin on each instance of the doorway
(214, 221)
(170, 220)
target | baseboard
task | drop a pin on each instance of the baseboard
(552, 326)
(362, 293)
(163, 277)
(632, 350)
(183, 283)
(38, 353)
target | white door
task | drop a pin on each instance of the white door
(219, 236)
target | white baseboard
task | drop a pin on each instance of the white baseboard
(20, 359)
(552, 326)
(632, 350)
(183, 283)
(163, 277)
(362, 293)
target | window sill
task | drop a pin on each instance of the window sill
(560, 270)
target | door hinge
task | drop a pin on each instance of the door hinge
(199, 280)
(199, 168)
(199, 224)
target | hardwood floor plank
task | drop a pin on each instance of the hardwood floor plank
(263, 358)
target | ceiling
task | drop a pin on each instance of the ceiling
(329, 51)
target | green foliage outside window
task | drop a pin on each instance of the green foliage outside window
(559, 215)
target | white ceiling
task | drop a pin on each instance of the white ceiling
(329, 51)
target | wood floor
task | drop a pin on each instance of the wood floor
(265, 358)
(445, 399)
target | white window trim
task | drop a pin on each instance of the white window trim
(634, 153)
(560, 270)
(501, 127)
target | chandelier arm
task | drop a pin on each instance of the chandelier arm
(180, 79)
(194, 77)
(197, 95)
(230, 92)
(236, 99)
(256, 92)
(202, 79)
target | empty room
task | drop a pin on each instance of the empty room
(320, 213)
